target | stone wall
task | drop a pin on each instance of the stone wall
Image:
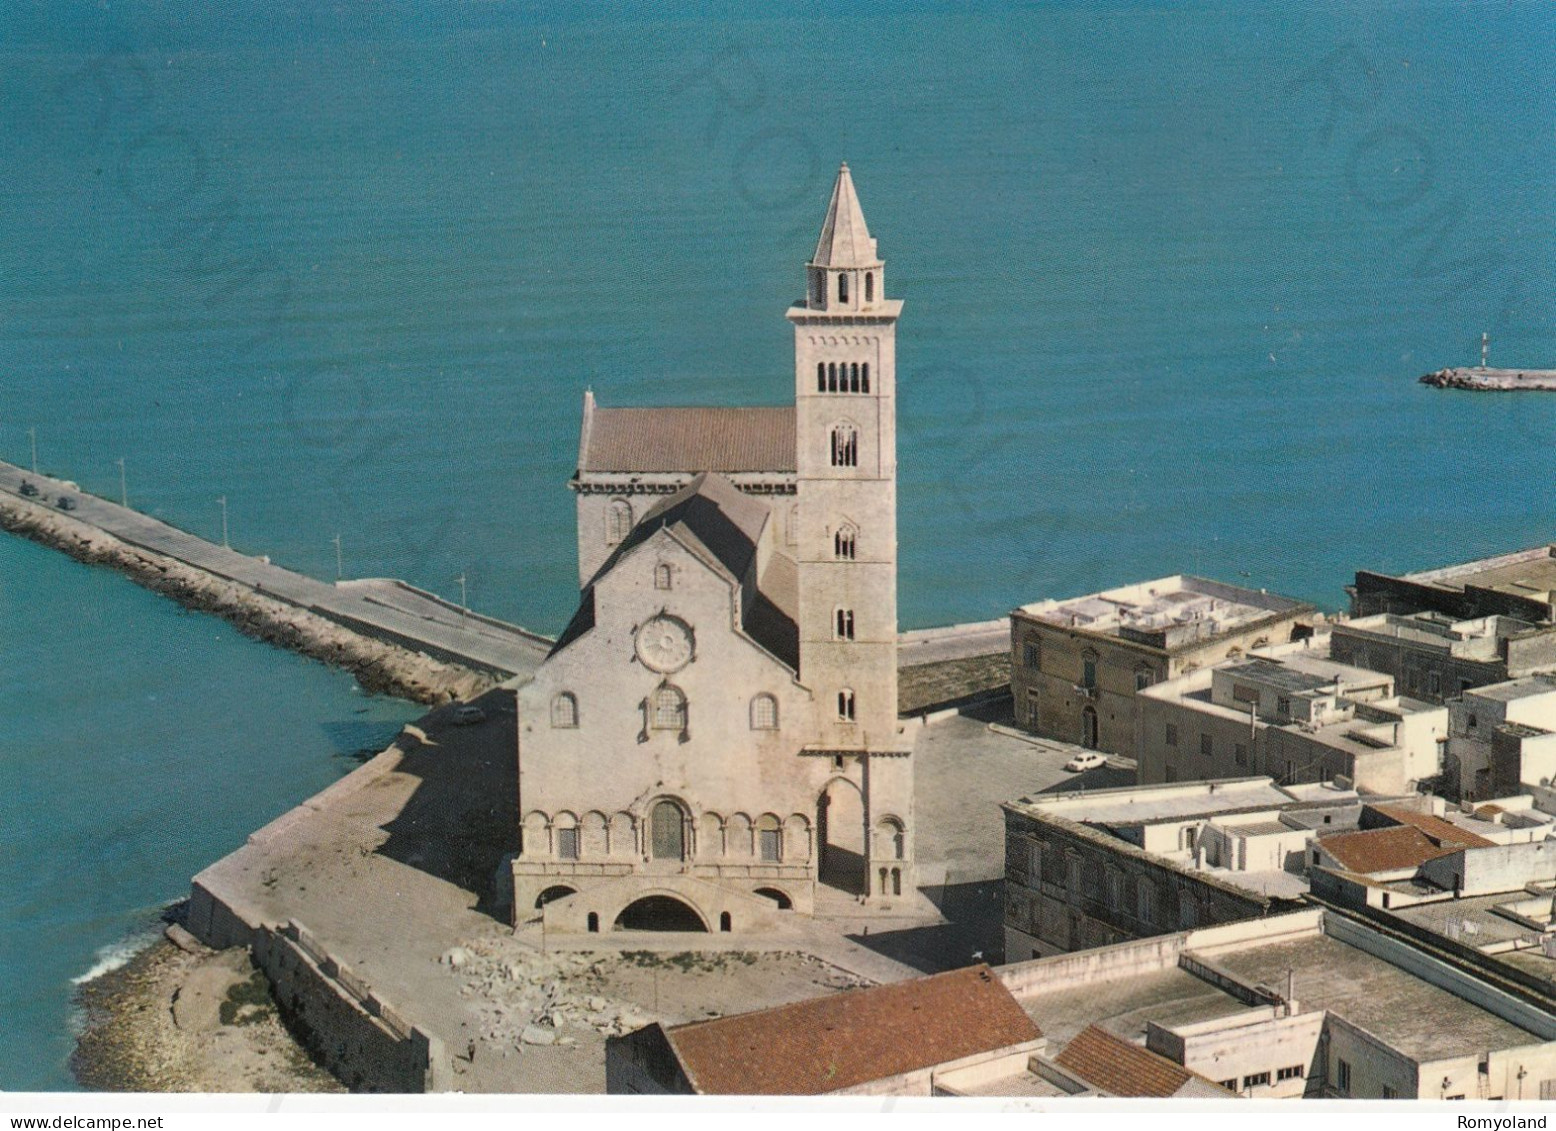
(358, 1035)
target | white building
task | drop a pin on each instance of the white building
(715, 734)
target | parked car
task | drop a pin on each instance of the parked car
(1082, 762)
(29, 489)
(66, 503)
(467, 714)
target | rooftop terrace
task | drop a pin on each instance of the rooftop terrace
(1168, 611)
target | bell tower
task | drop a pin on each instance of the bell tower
(846, 461)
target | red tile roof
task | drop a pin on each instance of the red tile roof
(687, 439)
(850, 1038)
(1447, 833)
(1111, 1064)
(1382, 850)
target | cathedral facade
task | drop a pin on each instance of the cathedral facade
(713, 742)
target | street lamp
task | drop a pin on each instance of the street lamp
(340, 570)
(464, 600)
(124, 495)
(32, 434)
(223, 502)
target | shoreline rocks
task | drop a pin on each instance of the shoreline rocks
(380, 668)
(1493, 380)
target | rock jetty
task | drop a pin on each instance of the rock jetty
(1493, 380)
(380, 667)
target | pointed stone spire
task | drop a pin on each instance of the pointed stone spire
(845, 241)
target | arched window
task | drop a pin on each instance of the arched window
(618, 521)
(864, 377)
(869, 286)
(845, 446)
(769, 839)
(764, 712)
(832, 377)
(725, 922)
(896, 881)
(594, 922)
(663, 576)
(818, 288)
(842, 288)
(844, 542)
(669, 709)
(843, 624)
(564, 710)
(821, 376)
(845, 705)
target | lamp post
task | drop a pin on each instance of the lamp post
(32, 434)
(464, 599)
(124, 495)
(223, 502)
(340, 569)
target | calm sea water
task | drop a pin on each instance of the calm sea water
(1170, 278)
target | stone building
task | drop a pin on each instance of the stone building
(1096, 869)
(1435, 657)
(1314, 1003)
(1521, 585)
(1076, 665)
(1295, 715)
(714, 738)
(1501, 737)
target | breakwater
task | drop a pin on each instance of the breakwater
(1493, 380)
(379, 666)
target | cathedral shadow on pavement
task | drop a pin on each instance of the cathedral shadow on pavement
(1102, 777)
(462, 820)
(973, 931)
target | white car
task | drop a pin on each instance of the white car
(1083, 762)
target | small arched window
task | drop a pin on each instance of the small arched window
(669, 709)
(764, 712)
(869, 286)
(842, 288)
(843, 624)
(821, 376)
(819, 288)
(853, 377)
(663, 576)
(845, 446)
(832, 377)
(845, 543)
(845, 705)
(618, 521)
(564, 710)
(864, 377)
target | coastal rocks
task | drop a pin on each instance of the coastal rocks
(1493, 380)
(379, 667)
(184, 941)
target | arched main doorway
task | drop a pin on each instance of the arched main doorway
(1089, 728)
(840, 836)
(667, 831)
(659, 913)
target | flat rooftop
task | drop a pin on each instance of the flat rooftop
(1179, 602)
(1524, 573)
(1172, 802)
(1422, 1021)
(1123, 1005)
(1513, 689)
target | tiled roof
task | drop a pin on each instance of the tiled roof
(1447, 833)
(1382, 850)
(686, 439)
(851, 1038)
(1116, 1066)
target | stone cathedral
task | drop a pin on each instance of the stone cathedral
(713, 742)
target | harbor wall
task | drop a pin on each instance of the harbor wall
(380, 666)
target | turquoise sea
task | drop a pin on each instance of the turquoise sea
(1170, 276)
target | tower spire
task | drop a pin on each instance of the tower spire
(845, 239)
